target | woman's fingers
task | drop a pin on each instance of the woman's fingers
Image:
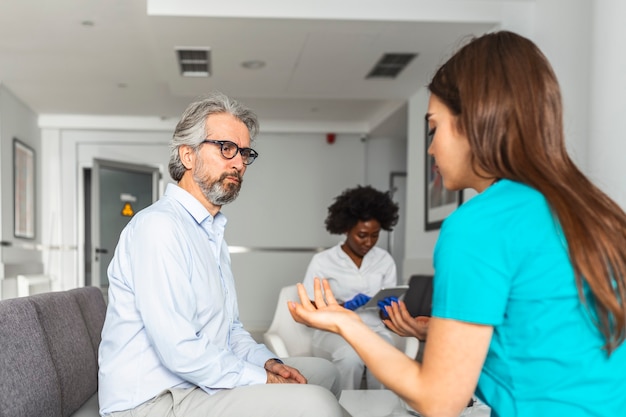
(304, 298)
(300, 312)
(318, 295)
(330, 297)
(399, 320)
(393, 327)
(392, 320)
(404, 313)
(403, 324)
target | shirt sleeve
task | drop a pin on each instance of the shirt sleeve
(243, 344)
(470, 281)
(246, 348)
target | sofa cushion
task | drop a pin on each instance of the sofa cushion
(28, 381)
(93, 309)
(70, 347)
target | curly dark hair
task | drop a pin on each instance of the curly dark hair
(361, 204)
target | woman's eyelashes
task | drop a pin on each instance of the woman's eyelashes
(431, 133)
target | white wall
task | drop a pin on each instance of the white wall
(607, 108)
(17, 255)
(563, 32)
(286, 192)
(419, 243)
(387, 155)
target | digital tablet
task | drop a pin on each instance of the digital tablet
(384, 293)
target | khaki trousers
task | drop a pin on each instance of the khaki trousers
(314, 399)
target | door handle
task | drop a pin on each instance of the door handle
(99, 251)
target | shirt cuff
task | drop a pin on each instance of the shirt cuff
(253, 375)
(273, 359)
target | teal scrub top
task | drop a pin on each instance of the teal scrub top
(501, 260)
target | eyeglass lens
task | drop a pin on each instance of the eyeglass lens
(229, 150)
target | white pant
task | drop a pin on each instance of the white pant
(314, 399)
(351, 367)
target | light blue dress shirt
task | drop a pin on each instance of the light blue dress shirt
(172, 318)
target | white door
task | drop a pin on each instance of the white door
(118, 191)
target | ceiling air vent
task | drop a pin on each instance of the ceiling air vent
(194, 62)
(390, 65)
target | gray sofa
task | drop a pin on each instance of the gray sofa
(49, 354)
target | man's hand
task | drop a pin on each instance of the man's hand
(279, 373)
(401, 322)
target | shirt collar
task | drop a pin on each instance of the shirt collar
(193, 206)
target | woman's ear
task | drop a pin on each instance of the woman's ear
(187, 156)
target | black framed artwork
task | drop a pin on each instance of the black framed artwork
(23, 190)
(439, 202)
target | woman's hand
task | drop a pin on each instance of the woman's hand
(324, 312)
(401, 322)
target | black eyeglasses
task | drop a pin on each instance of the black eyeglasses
(229, 150)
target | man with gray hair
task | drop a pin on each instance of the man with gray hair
(172, 343)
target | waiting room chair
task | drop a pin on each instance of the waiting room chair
(33, 284)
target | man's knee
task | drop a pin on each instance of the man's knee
(317, 371)
(319, 402)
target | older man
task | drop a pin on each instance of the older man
(172, 343)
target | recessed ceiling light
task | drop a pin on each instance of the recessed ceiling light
(253, 64)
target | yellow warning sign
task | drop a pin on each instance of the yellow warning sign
(128, 210)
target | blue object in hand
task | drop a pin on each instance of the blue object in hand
(384, 303)
(356, 301)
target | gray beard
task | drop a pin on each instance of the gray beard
(216, 192)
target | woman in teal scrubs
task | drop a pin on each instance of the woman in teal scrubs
(530, 275)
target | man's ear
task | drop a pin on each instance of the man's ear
(187, 156)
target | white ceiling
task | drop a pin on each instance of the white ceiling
(124, 62)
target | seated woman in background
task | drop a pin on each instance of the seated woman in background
(529, 303)
(356, 270)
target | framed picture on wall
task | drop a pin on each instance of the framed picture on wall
(439, 202)
(23, 190)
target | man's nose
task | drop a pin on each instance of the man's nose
(237, 162)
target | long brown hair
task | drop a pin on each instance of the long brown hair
(508, 103)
